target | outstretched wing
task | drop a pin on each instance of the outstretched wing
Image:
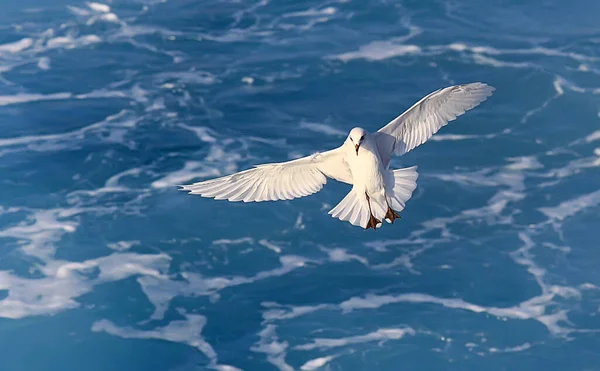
(277, 181)
(427, 116)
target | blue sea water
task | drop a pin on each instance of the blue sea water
(106, 107)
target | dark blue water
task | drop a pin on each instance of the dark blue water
(105, 265)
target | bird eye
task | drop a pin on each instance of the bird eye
(363, 137)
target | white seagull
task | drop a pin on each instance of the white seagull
(363, 161)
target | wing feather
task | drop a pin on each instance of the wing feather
(415, 126)
(277, 181)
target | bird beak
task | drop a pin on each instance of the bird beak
(356, 146)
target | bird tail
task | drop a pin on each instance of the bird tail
(399, 188)
(352, 209)
(404, 183)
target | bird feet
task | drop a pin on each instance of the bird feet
(373, 221)
(392, 215)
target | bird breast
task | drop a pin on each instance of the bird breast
(366, 168)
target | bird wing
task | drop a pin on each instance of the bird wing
(277, 181)
(427, 116)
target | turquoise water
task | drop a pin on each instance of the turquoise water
(105, 265)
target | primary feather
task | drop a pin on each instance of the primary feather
(417, 124)
(277, 181)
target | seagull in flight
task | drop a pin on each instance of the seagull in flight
(378, 193)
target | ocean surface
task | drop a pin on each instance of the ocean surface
(106, 107)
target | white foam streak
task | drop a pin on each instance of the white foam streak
(452, 137)
(489, 61)
(510, 176)
(381, 50)
(341, 255)
(39, 233)
(278, 313)
(269, 245)
(204, 134)
(106, 17)
(225, 368)
(593, 137)
(21, 98)
(379, 335)
(533, 51)
(6, 100)
(114, 125)
(518, 348)
(160, 290)
(68, 42)
(123, 245)
(44, 63)
(322, 129)
(187, 331)
(378, 51)
(63, 282)
(190, 171)
(559, 84)
(31, 298)
(316, 363)
(275, 350)
(524, 163)
(78, 11)
(574, 167)
(571, 207)
(99, 7)
(312, 12)
(17, 46)
(239, 241)
(530, 309)
(192, 77)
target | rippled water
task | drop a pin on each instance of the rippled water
(105, 265)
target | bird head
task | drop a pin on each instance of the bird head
(357, 137)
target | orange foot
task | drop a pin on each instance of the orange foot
(392, 215)
(373, 221)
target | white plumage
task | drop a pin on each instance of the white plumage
(378, 193)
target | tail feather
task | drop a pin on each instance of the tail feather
(378, 205)
(405, 182)
(351, 209)
(399, 188)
